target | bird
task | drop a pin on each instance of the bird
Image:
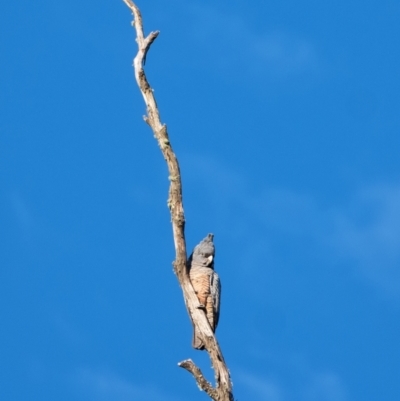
(206, 284)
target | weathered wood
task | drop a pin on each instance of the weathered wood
(223, 386)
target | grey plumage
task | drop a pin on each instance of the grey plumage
(206, 283)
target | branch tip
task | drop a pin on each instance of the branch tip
(202, 383)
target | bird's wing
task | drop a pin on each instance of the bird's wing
(215, 289)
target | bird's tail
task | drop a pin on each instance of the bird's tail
(197, 342)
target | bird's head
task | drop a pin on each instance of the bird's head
(204, 252)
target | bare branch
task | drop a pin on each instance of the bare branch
(223, 387)
(203, 384)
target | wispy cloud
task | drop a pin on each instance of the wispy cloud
(369, 233)
(104, 386)
(363, 232)
(232, 43)
(312, 385)
(263, 388)
(325, 387)
(22, 213)
(283, 53)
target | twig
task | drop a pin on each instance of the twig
(203, 384)
(223, 386)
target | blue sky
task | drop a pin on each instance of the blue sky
(285, 119)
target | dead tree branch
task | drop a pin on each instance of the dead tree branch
(223, 386)
(200, 379)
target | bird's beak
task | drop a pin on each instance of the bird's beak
(210, 259)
